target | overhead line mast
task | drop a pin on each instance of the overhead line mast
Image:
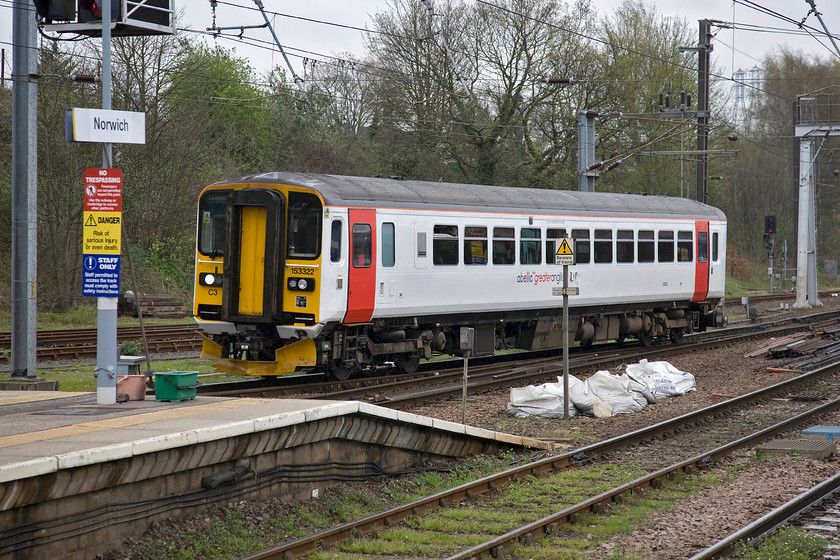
(438, 32)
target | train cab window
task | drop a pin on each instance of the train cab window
(685, 242)
(388, 245)
(714, 247)
(552, 234)
(335, 241)
(666, 246)
(475, 245)
(530, 246)
(625, 250)
(603, 246)
(646, 247)
(504, 246)
(445, 245)
(304, 226)
(702, 246)
(211, 223)
(583, 252)
(362, 243)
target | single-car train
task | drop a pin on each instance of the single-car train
(305, 272)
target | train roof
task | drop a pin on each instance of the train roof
(338, 190)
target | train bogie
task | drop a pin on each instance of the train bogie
(347, 274)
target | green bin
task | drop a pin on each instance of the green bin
(175, 385)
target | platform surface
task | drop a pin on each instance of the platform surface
(45, 432)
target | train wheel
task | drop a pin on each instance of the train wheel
(407, 364)
(341, 373)
(676, 335)
(645, 338)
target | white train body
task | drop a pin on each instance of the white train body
(400, 266)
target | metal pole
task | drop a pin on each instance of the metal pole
(24, 192)
(565, 341)
(704, 48)
(803, 223)
(586, 150)
(771, 271)
(464, 394)
(106, 307)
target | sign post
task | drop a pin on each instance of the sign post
(565, 256)
(467, 342)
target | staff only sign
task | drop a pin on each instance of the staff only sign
(102, 232)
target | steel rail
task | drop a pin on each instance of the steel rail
(776, 518)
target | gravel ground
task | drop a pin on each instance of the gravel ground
(693, 524)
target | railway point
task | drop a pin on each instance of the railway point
(77, 477)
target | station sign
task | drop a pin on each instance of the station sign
(102, 232)
(105, 125)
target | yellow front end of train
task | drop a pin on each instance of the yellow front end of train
(257, 277)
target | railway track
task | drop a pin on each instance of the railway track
(446, 382)
(816, 511)
(714, 432)
(78, 344)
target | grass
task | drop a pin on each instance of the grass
(790, 543)
(81, 379)
(83, 317)
(446, 531)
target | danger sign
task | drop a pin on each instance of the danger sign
(565, 255)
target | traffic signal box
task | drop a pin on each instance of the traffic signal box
(130, 17)
(769, 232)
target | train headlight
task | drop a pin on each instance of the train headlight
(301, 284)
(210, 279)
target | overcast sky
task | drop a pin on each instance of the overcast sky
(301, 38)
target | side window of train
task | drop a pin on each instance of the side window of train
(550, 246)
(646, 247)
(625, 250)
(445, 245)
(603, 246)
(685, 242)
(304, 226)
(530, 246)
(666, 246)
(702, 246)
(714, 247)
(362, 246)
(504, 246)
(583, 252)
(388, 245)
(475, 245)
(335, 241)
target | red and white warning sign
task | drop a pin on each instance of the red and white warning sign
(103, 190)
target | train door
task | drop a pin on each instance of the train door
(361, 276)
(252, 286)
(386, 287)
(701, 274)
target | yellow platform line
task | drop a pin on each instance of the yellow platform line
(124, 422)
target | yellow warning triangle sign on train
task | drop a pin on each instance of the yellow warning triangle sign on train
(564, 248)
